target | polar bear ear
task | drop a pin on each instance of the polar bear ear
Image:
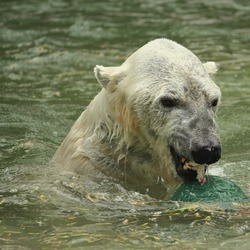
(211, 68)
(108, 77)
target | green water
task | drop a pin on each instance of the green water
(47, 53)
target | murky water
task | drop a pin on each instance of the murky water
(47, 53)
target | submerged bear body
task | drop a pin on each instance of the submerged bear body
(153, 122)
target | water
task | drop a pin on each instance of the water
(47, 53)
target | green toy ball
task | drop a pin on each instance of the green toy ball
(215, 190)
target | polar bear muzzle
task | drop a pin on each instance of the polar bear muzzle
(190, 170)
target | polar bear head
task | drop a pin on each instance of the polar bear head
(164, 98)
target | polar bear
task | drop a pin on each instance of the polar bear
(153, 124)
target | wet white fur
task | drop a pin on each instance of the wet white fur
(113, 136)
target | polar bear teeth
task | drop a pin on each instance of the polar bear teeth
(200, 169)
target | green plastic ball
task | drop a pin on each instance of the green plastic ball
(216, 189)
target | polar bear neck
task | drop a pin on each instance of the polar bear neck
(120, 147)
(97, 141)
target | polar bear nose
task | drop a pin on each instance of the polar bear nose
(207, 155)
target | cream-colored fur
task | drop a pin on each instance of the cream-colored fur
(124, 132)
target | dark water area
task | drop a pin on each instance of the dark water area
(48, 50)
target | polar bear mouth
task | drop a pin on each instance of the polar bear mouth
(189, 170)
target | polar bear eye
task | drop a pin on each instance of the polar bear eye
(168, 103)
(215, 102)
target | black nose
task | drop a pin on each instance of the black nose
(207, 155)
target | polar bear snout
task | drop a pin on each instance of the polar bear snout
(206, 154)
